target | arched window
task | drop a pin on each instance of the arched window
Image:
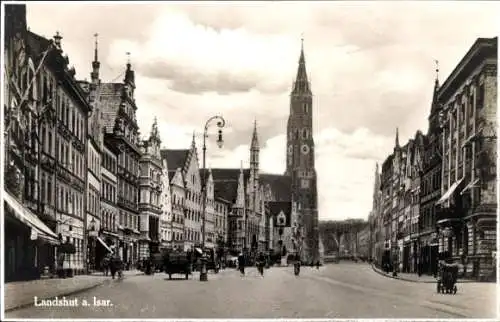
(305, 108)
(305, 133)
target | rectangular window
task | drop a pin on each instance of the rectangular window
(63, 110)
(480, 97)
(43, 137)
(49, 189)
(73, 124)
(49, 145)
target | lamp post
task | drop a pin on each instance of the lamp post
(220, 124)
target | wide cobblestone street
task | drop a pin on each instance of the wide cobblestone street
(345, 290)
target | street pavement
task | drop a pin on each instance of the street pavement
(344, 290)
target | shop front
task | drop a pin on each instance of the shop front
(103, 245)
(29, 243)
(428, 257)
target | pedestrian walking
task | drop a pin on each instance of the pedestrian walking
(116, 265)
(241, 263)
(261, 262)
(105, 265)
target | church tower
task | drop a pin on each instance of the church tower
(254, 157)
(300, 160)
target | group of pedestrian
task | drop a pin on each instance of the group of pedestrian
(260, 262)
(112, 263)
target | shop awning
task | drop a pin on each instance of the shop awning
(104, 244)
(450, 191)
(30, 219)
(110, 233)
(469, 186)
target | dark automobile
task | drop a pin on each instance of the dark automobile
(447, 279)
(177, 262)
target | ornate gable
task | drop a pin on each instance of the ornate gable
(210, 186)
(191, 171)
(178, 179)
(240, 196)
(165, 201)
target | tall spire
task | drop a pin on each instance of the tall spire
(94, 76)
(301, 82)
(255, 139)
(96, 47)
(193, 141)
(435, 105)
(397, 138)
(129, 73)
(155, 133)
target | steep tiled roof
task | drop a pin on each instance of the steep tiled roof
(36, 44)
(275, 207)
(171, 174)
(110, 101)
(175, 158)
(226, 190)
(281, 185)
(221, 174)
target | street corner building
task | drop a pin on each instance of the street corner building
(46, 148)
(435, 198)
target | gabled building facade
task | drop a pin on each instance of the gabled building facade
(175, 160)
(430, 189)
(150, 190)
(121, 129)
(166, 206)
(95, 138)
(62, 170)
(29, 245)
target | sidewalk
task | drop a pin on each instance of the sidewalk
(22, 294)
(409, 277)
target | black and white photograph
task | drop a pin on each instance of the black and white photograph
(249, 160)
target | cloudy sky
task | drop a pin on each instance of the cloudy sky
(371, 66)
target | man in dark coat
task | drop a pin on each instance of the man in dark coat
(115, 264)
(241, 263)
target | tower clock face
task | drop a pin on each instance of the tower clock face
(305, 149)
(290, 149)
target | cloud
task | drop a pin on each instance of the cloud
(371, 68)
(189, 80)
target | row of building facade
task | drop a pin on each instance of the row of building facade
(435, 196)
(81, 183)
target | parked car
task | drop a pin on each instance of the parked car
(177, 262)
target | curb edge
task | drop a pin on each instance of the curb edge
(413, 281)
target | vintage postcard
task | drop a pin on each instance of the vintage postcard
(261, 160)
